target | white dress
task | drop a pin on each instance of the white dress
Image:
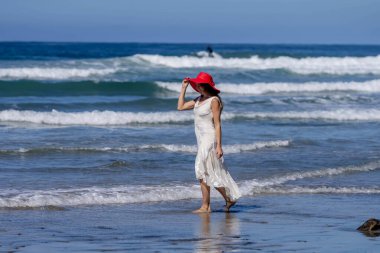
(207, 165)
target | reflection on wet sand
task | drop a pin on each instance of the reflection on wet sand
(217, 234)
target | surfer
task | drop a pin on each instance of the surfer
(210, 51)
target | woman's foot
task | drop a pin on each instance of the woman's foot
(203, 210)
(228, 205)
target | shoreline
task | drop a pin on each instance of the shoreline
(272, 223)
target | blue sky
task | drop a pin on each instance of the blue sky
(232, 21)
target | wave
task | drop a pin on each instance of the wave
(55, 73)
(142, 193)
(231, 149)
(121, 68)
(307, 65)
(249, 185)
(312, 99)
(275, 87)
(102, 118)
(318, 190)
(95, 118)
(334, 115)
(228, 149)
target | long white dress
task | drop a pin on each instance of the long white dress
(207, 165)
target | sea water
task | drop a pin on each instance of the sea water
(90, 134)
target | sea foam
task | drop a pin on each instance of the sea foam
(55, 73)
(92, 117)
(371, 86)
(228, 149)
(254, 184)
(306, 65)
(333, 115)
(106, 69)
(122, 194)
(99, 118)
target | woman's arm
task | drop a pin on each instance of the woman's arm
(215, 107)
(182, 105)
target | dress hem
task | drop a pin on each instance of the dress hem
(228, 192)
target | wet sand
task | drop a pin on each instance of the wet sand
(272, 223)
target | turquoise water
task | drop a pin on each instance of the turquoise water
(89, 129)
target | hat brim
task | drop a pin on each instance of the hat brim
(194, 81)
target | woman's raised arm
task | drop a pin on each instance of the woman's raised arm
(182, 105)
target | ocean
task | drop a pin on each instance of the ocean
(94, 155)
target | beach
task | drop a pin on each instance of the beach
(95, 157)
(302, 223)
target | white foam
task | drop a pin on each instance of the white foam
(252, 185)
(55, 73)
(317, 190)
(307, 65)
(105, 68)
(93, 117)
(173, 86)
(276, 87)
(227, 149)
(142, 193)
(336, 115)
(99, 118)
(207, 55)
(237, 148)
(97, 195)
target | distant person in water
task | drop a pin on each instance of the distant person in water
(210, 169)
(210, 51)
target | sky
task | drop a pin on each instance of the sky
(183, 21)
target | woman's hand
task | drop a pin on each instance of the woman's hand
(219, 152)
(185, 83)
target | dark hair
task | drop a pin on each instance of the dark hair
(213, 92)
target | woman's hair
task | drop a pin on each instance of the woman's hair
(213, 92)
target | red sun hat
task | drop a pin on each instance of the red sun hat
(202, 77)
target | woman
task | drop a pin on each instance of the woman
(209, 164)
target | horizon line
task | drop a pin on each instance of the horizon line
(215, 43)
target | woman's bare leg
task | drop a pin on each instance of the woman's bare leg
(222, 191)
(205, 198)
(229, 203)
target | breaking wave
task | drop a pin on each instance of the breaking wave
(307, 65)
(95, 118)
(142, 193)
(229, 149)
(249, 185)
(98, 118)
(262, 88)
(109, 68)
(318, 190)
(55, 73)
(334, 115)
